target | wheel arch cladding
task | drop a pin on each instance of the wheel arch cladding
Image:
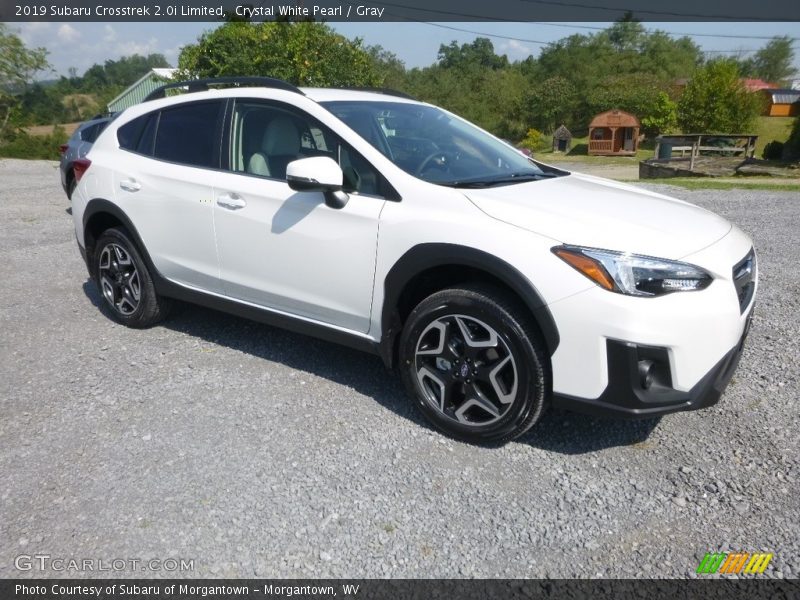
(101, 215)
(428, 268)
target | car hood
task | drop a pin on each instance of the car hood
(591, 211)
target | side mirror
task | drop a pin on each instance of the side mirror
(318, 174)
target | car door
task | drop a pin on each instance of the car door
(165, 186)
(287, 250)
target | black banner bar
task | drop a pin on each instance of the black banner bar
(402, 589)
(397, 10)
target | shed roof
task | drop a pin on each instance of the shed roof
(562, 133)
(784, 96)
(753, 85)
(615, 118)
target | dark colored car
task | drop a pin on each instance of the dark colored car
(77, 146)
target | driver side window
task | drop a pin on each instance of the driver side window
(266, 137)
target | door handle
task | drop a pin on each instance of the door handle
(130, 185)
(231, 201)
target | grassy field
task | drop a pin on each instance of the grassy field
(772, 128)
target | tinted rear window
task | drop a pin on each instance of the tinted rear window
(128, 135)
(187, 134)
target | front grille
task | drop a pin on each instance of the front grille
(744, 279)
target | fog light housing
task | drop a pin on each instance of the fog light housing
(646, 373)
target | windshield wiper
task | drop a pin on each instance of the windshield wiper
(504, 179)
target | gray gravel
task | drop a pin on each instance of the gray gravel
(257, 452)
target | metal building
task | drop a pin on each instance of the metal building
(137, 91)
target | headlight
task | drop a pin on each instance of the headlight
(633, 274)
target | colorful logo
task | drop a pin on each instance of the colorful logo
(734, 563)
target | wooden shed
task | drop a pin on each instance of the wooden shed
(782, 103)
(562, 139)
(614, 133)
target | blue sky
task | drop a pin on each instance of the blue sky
(80, 45)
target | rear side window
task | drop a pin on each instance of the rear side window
(99, 128)
(189, 134)
(148, 135)
(128, 135)
(89, 134)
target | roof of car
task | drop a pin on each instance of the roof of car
(334, 94)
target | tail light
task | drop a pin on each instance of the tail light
(79, 167)
(63, 148)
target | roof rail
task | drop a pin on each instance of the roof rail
(201, 85)
(385, 91)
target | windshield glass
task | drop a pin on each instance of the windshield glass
(436, 146)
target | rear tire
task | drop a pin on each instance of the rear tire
(125, 283)
(474, 363)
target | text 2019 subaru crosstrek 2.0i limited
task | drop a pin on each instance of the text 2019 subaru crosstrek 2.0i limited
(495, 285)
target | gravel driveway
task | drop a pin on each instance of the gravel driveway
(256, 452)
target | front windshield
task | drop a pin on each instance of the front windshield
(436, 146)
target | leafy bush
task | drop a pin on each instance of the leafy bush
(715, 101)
(535, 141)
(791, 149)
(773, 150)
(663, 116)
(22, 145)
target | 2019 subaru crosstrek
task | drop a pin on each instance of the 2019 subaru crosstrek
(495, 284)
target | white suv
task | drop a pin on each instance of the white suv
(495, 284)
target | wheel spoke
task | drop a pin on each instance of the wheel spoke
(133, 285)
(505, 393)
(469, 338)
(105, 258)
(478, 401)
(442, 329)
(440, 390)
(122, 256)
(108, 290)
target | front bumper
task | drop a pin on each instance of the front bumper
(627, 397)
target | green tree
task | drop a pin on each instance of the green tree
(478, 54)
(493, 99)
(715, 101)
(391, 71)
(303, 53)
(663, 116)
(637, 93)
(774, 62)
(551, 103)
(18, 65)
(627, 34)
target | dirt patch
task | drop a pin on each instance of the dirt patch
(627, 172)
(48, 129)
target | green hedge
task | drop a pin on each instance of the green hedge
(22, 145)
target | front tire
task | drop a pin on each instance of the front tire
(474, 364)
(125, 283)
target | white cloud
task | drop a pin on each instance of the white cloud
(515, 50)
(110, 34)
(67, 33)
(137, 47)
